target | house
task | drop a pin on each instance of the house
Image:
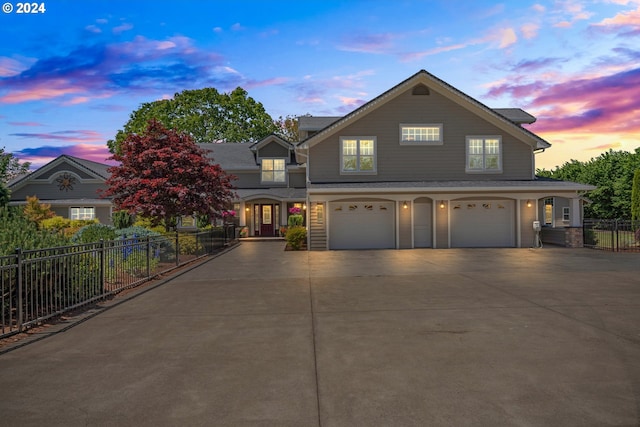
(70, 185)
(424, 165)
(269, 182)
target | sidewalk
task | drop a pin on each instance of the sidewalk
(260, 336)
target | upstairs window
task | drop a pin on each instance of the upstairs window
(273, 170)
(484, 154)
(358, 154)
(421, 134)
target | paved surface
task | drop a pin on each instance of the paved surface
(263, 337)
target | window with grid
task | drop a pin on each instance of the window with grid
(82, 213)
(483, 154)
(358, 154)
(273, 170)
(428, 134)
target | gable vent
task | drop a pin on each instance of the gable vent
(420, 90)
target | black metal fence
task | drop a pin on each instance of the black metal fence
(39, 284)
(612, 235)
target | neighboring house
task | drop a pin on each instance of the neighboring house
(426, 166)
(269, 182)
(70, 185)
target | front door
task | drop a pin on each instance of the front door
(266, 220)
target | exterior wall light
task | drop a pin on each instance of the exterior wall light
(528, 203)
(441, 204)
(404, 205)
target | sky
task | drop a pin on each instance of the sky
(72, 73)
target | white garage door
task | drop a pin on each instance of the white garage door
(483, 223)
(361, 225)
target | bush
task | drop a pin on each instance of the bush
(296, 236)
(16, 231)
(65, 226)
(94, 233)
(122, 219)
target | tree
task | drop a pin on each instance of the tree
(635, 196)
(10, 167)
(288, 128)
(164, 175)
(36, 211)
(204, 114)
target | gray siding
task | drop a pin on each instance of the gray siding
(65, 167)
(442, 227)
(397, 162)
(317, 229)
(47, 191)
(404, 230)
(274, 149)
(251, 179)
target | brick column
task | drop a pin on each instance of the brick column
(573, 237)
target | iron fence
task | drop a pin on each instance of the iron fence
(612, 234)
(36, 285)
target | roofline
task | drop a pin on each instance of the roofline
(340, 123)
(16, 185)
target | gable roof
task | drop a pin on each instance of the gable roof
(443, 88)
(97, 170)
(269, 139)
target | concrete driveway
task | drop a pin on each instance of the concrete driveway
(263, 337)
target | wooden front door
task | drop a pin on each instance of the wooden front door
(266, 220)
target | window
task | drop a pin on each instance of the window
(320, 213)
(358, 155)
(483, 154)
(411, 134)
(273, 170)
(82, 213)
(548, 211)
(565, 213)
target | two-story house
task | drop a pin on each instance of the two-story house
(425, 165)
(269, 182)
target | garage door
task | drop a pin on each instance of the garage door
(361, 225)
(483, 223)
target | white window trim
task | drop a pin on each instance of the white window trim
(421, 125)
(566, 214)
(483, 170)
(263, 181)
(82, 208)
(375, 155)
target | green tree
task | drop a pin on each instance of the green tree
(612, 173)
(205, 115)
(10, 168)
(163, 174)
(635, 196)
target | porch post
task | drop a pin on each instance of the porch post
(576, 212)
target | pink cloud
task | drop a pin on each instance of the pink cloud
(44, 90)
(41, 155)
(625, 20)
(369, 43)
(31, 124)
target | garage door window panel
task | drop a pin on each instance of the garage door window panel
(358, 155)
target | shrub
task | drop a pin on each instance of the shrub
(296, 236)
(16, 231)
(66, 226)
(93, 233)
(36, 211)
(122, 219)
(188, 244)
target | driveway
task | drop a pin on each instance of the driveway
(263, 337)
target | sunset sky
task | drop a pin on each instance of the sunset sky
(71, 75)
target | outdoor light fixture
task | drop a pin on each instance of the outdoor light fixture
(247, 209)
(441, 204)
(528, 203)
(404, 205)
(304, 206)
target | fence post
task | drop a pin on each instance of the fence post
(102, 269)
(148, 257)
(20, 284)
(177, 249)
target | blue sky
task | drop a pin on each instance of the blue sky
(71, 75)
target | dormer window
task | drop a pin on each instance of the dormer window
(273, 170)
